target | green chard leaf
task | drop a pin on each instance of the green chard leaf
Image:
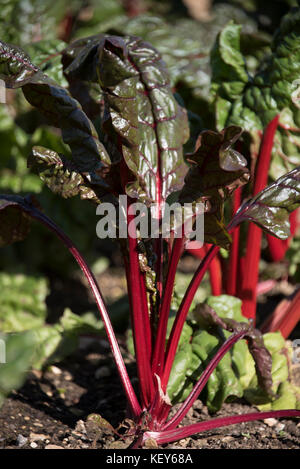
(21, 21)
(216, 170)
(252, 102)
(230, 75)
(271, 207)
(46, 54)
(181, 366)
(18, 358)
(223, 383)
(27, 309)
(255, 368)
(208, 318)
(286, 394)
(185, 45)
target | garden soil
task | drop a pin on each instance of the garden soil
(53, 408)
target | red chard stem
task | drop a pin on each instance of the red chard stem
(140, 319)
(183, 312)
(250, 279)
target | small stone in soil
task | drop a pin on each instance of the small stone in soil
(271, 422)
(80, 427)
(21, 440)
(37, 436)
(68, 376)
(55, 370)
(53, 447)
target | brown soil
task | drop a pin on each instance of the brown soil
(51, 410)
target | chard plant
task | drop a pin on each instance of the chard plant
(137, 152)
(266, 106)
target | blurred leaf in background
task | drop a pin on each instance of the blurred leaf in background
(25, 21)
(30, 342)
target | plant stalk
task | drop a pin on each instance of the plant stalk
(130, 394)
(139, 319)
(251, 267)
(232, 268)
(175, 434)
(159, 348)
(182, 314)
(183, 410)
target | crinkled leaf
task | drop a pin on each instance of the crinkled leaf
(58, 106)
(243, 363)
(274, 342)
(60, 174)
(237, 374)
(216, 171)
(144, 122)
(274, 89)
(46, 341)
(226, 306)
(85, 324)
(255, 46)
(179, 370)
(223, 382)
(208, 318)
(287, 394)
(224, 385)
(78, 132)
(79, 64)
(230, 75)
(79, 58)
(15, 66)
(270, 208)
(142, 117)
(288, 397)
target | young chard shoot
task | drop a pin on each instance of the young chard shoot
(140, 156)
